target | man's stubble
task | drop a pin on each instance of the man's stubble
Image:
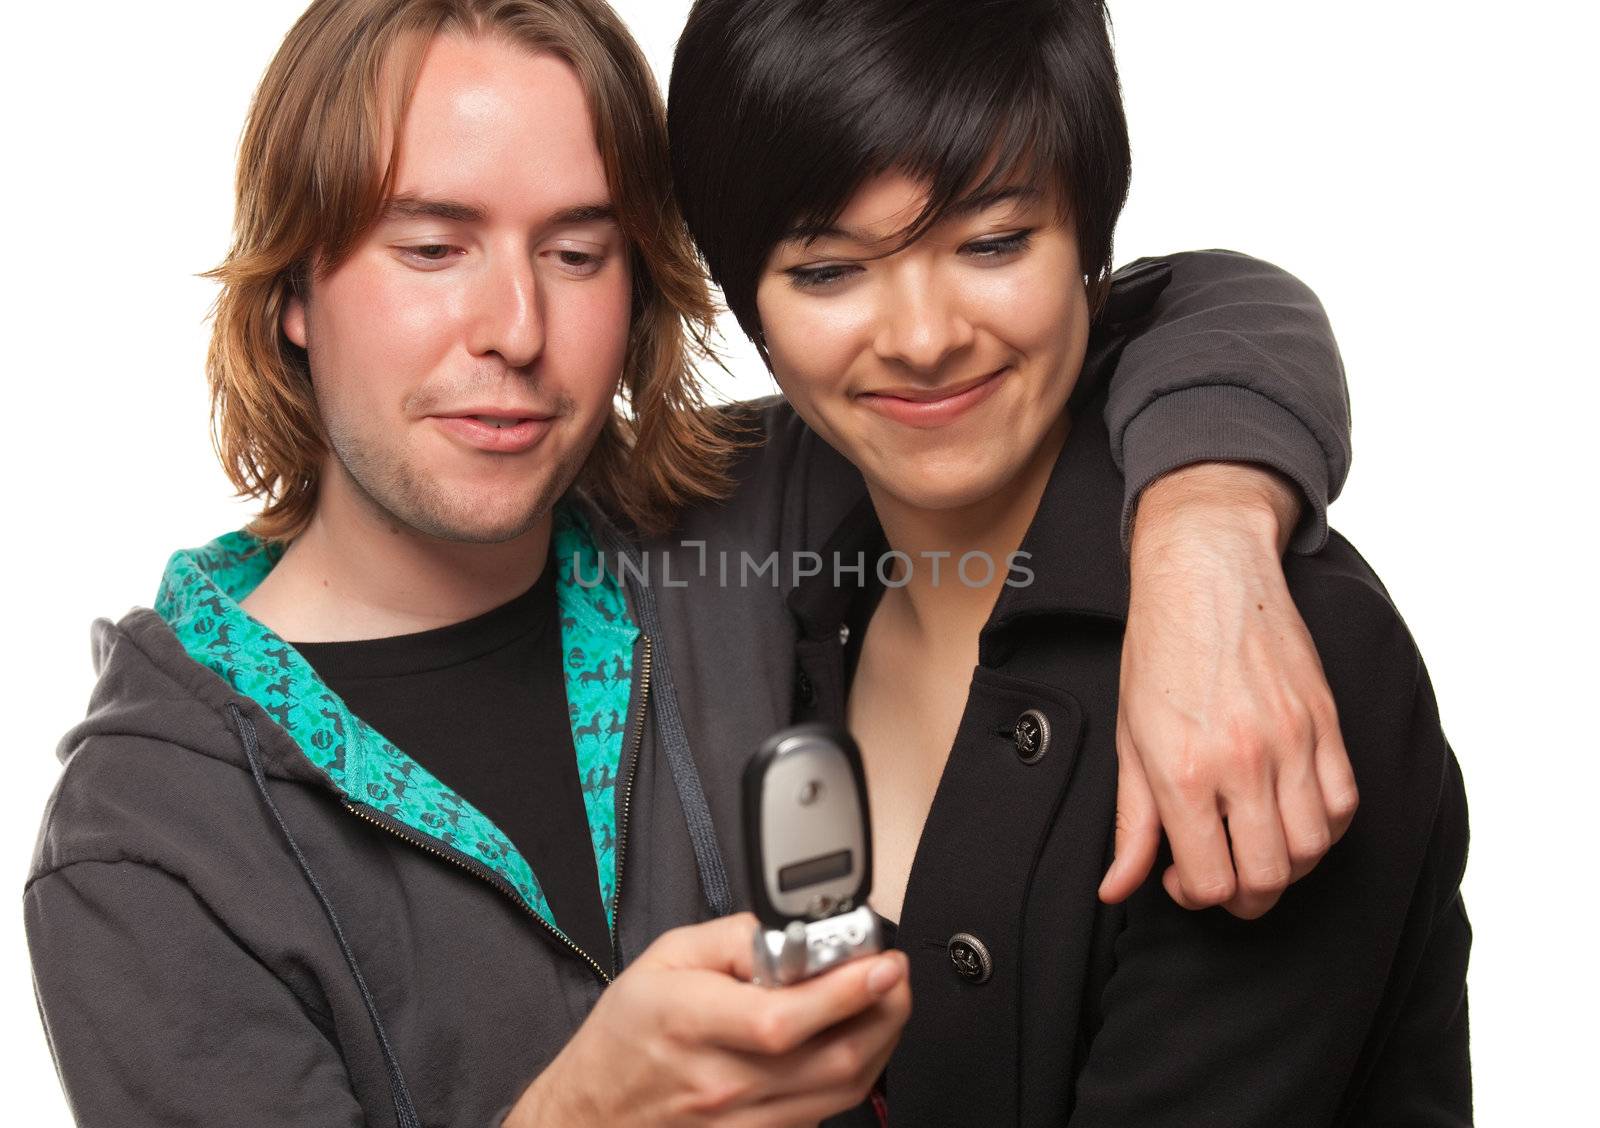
(401, 493)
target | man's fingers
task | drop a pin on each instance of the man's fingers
(836, 1070)
(826, 1074)
(1306, 830)
(1174, 887)
(1200, 858)
(778, 1020)
(724, 945)
(1336, 779)
(1138, 833)
(853, 1052)
(707, 968)
(1260, 854)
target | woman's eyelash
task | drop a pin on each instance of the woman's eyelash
(1005, 245)
(804, 276)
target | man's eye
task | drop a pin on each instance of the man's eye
(428, 252)
(811, 277)
(999, 247)
(579, 263)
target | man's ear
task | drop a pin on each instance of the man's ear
(294, 319)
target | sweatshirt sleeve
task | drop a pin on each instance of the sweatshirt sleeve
(156, 1015)
(1346, 1004)
(1237, 363)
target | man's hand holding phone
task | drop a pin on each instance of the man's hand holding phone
(684, 1038)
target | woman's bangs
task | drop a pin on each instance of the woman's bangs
(959, 148)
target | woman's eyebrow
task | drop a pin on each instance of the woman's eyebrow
(983, 201)
(809, 233)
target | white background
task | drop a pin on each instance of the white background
(1426, 167)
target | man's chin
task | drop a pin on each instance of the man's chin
(469, 519)
(479, 528)
(461, 511)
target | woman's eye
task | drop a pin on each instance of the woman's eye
(999, 247)
(811, 277)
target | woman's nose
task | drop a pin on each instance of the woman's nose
(921, 325)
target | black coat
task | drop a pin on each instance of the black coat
(1346, 1004)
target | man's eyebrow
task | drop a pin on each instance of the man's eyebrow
(426, 207)
(423, 207)
(965, 206)
(585, 213)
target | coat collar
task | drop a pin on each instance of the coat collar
(1073, 545)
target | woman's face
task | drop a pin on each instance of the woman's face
(939, 369)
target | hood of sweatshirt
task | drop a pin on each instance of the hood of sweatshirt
(170, 674)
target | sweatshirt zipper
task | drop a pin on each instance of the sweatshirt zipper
(627, 804)
(477, 869)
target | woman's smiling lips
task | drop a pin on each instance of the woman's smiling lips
(932, 407)
(497, 433)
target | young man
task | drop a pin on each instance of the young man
(387, 809)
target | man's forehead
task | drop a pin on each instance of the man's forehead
(493, 127)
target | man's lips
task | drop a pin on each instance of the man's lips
(932, 407)
(496, 430)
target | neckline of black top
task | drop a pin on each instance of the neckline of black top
(441, 647)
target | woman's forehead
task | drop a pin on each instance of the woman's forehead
(889, 206)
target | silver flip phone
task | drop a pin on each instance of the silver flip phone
(809, 845)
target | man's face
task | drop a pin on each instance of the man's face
(466, 355)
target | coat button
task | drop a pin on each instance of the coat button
(844, 635)
(970, 958)
(805, 690)
(1031, 735)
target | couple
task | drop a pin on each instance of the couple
(416, 803)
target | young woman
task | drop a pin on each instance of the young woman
(910, 209)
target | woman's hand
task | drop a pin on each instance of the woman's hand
(1225, 713)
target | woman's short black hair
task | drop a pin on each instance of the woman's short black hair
(779, 110)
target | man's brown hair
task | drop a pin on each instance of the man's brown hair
(312, 180)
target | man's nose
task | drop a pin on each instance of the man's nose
(509, 319)
(921, 324)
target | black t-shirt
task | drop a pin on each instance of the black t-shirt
(482, 705)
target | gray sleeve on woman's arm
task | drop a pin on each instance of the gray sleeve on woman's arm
(1237, 363)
